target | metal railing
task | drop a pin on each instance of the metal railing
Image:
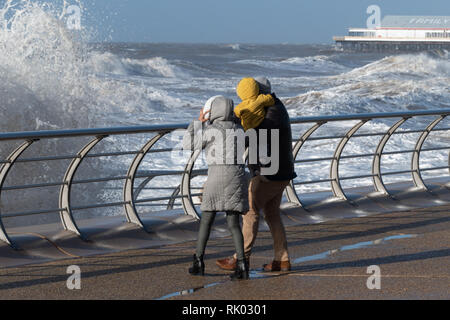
(376, 172)
(183, 191)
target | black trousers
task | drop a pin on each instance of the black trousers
(206, 223)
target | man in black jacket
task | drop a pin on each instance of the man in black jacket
(266, 191)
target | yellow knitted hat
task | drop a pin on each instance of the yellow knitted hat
(247, 88)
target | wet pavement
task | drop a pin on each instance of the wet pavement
(330, 260)
(106, 235)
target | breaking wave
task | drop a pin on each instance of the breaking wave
(46, 68)
(108, 63)
(410, 81)
(50, 78)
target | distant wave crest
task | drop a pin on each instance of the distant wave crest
(109, 63)
(389, 84)
(315, 64)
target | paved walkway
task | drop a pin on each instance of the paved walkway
(330, 259)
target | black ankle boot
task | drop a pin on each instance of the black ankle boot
(198, 267)
(241, 271)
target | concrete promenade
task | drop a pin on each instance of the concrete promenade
(330, 261)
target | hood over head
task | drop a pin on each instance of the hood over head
(247, 89)
(221, 109)
(264, 85)
(207, 107)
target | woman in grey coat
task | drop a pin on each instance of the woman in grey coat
(226, 188)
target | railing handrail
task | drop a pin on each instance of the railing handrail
(48, 134)
(24, 135)
(369, 116)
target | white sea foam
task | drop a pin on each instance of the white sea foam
(234, 46)
(419, 65)
(42, 64)
(108, 63)
(159, 65)
(320, 63)
(389, 84)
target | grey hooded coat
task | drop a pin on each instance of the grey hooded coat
(226, 188)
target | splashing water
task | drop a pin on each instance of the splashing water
(50, 79)
(50, 73)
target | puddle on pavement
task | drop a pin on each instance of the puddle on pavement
(188, 291)
(253, 274)
(355, 246)
(259, 274)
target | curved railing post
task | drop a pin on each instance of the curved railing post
(128, 191)
(376, 163)
(291, 194)
(66, 215)
(415, 166)
(5, 169)
(141, 187)
(334, 170)
(171, 202)
(185, 188)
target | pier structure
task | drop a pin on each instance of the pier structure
(400, 33)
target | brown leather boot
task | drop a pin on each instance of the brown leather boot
(228, 264)
(278, 266)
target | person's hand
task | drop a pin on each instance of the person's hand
(202, 115)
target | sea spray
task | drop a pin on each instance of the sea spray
(50, 78)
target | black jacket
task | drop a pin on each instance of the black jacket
(277, 117)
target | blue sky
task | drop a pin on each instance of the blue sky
(240, 21)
